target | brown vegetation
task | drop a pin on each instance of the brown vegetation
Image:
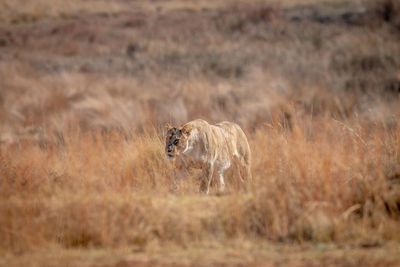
(84, 99)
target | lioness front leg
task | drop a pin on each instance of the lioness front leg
(221, 186)
(208, 173)
(178, 174)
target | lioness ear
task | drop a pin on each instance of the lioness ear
(187, 129)
(169, 127)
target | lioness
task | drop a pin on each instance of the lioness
(197, 144)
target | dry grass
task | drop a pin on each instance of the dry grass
(319, 180)
(83, 108)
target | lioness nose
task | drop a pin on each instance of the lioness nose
(169, 148)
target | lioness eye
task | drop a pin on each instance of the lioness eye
(176, 142)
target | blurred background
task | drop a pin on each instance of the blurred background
(131, 64)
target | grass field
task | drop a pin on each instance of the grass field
(86, 89)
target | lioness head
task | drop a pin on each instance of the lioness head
(176, 140)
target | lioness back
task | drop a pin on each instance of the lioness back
(224, 138)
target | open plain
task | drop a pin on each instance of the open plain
(87, 87)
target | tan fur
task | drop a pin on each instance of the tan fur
(212, 148)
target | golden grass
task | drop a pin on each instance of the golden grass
(319, 180)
